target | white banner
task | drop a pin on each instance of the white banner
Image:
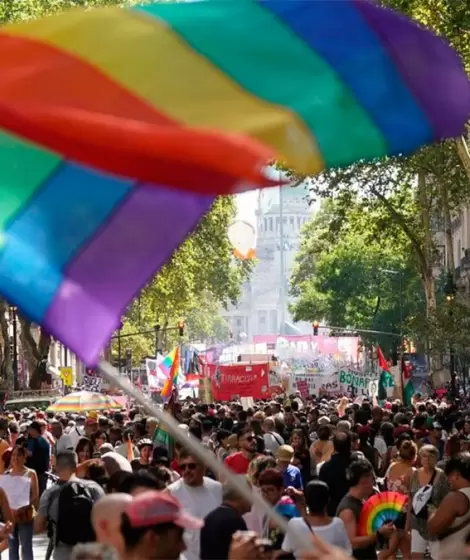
(338, 382)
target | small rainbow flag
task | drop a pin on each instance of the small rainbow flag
(170, 364)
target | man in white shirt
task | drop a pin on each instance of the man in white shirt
(198, 494)
(63, 442)
(272, 440)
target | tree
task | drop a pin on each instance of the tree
(200, 276)
(341, 277)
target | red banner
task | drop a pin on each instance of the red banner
(233, 381)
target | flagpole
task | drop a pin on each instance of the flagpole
(302, 540)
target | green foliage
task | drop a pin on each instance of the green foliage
(201, 275)
(340, 277)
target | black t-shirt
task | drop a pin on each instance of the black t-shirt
(137, 466)
(216, 535)
(355, 505)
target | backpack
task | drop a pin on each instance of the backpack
(74, 514)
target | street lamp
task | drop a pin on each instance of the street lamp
(450, 290)
(14, 319)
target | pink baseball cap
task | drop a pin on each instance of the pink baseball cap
(155, 508)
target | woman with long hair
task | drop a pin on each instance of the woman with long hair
(302, 459)
(397, 479)
(254, 518)
(22, 532)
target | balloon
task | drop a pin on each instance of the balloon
(242, 236)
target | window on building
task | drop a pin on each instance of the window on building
(262, 316)
(273, 327)
(270, 224)
(278, 224)
(292, 222)
(265, 224)
(299, 222)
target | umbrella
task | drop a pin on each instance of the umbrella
(83, 401)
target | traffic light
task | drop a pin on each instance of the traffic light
(181, 328)
(315, 326)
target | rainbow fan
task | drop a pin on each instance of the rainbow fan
(380, 509)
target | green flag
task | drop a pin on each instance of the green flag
(385, 381)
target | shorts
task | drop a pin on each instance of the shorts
(420, 545)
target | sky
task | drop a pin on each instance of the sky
(247, 206)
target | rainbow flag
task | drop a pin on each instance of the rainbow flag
(172, 362)
(110, 117)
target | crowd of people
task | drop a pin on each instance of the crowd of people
(101, 488)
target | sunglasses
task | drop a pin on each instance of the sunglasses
(249, 438)
(190, 466)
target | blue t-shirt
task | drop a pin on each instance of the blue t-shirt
(292, 477)
(41, 454)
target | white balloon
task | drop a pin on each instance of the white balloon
(242, 236)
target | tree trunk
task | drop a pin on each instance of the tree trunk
(6, 367)
(426, 266)
(464, 154)
(450, 261)
(34, 352)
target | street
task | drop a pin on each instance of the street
(40, 548)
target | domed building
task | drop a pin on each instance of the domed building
(263, 306)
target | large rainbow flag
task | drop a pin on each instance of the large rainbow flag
(119, 126)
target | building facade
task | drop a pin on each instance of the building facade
(264, 305)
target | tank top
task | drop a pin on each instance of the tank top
(453, 546)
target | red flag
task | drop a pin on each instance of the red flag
(406, 369)
(383, 364)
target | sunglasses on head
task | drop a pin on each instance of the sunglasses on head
(190, 466)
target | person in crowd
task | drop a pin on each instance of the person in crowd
(222, 437)
(106, 519)
(65, 518)
(145, 447)
(98, 439)
(254, 518)
(383, 445)
(38, 455)
(22, 532)
(271, 483)
(451, 521)
(302, 459)
(322, 449)
(153, 527)
(198, 494)
(84, 450)
(428, 487)
(360, 474)
(240, 461)
(333, 472)
(4, 441)
(435, 438)
(272, 440)
(62, 442)
(291, 474)
(223, 522)
(330, 529)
